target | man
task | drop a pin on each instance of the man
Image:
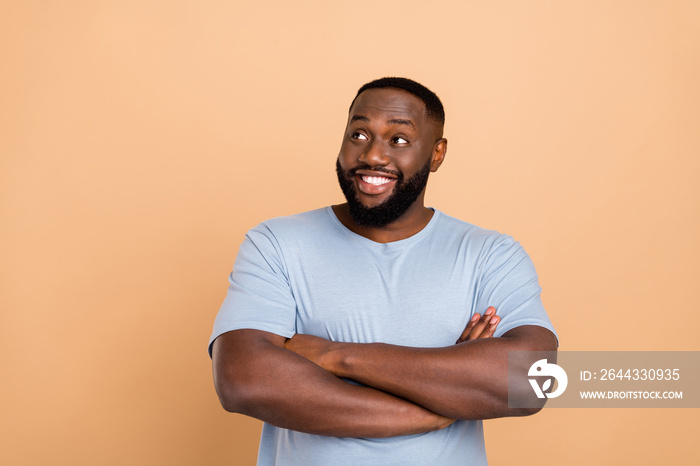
(340, 324)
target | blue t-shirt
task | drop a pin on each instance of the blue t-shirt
(308, 273)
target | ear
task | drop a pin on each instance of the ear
(439, 152)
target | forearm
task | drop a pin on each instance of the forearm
(464, 381)
(254, 375)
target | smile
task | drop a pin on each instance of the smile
(372, 184)
(376, 180)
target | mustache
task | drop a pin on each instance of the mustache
(352, 171)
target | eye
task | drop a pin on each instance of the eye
(359, 136)
(399, 140)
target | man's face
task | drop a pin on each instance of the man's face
(389, 148)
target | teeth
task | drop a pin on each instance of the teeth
(376, 180)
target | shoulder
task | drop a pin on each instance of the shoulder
(293, 229)
(276, 240)
(485, 249)
(304, 221)
(451, 229)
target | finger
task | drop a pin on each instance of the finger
(482, 324)
(490, 328)
(468, 328)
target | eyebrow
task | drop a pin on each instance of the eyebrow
(358, 118)
(394, 121)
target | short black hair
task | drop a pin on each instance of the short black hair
(433, 106)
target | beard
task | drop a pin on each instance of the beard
(401, 198)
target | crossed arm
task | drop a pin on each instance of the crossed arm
(295, 383)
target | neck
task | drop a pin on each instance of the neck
(411, 222)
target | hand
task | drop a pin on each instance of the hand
(480, 328)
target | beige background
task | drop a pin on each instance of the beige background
(139, 140)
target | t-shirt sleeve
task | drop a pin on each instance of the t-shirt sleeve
(509, 283)
(259, 296)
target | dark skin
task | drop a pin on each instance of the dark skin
(256, 375)
(295, 383)
(388, 129)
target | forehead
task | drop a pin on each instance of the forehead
(389, 103)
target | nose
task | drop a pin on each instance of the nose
(375, 154)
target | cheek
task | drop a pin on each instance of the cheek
(411, 163)
(347, 156)
(342, 165)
